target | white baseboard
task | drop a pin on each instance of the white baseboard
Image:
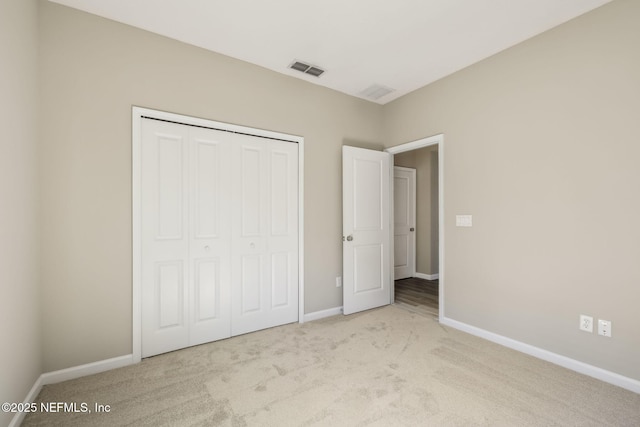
(70, 374)
(33, 393)
(427, 276)
(84, 370)
(557, 359)
(317, 315)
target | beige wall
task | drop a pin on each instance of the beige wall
(94, 70)
(542, 148)
(20, 356)
(426, 205)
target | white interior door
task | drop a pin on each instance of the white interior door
(366, 229)
(265, 233)
(404, 219)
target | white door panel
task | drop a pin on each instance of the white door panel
(170, 291)
(283, 232)
(207, 289)
(208, 197)
(367, 182)
(401, 252)
(281, 279)
(282, 167)
(366, 229)
(265, 234)
(250, 285)
(368, 271)
(209, 178)
(252, 188)
(170, 153)
(249, 190)
(404, 217)
(164, 242)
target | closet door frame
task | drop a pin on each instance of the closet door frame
(138, 114)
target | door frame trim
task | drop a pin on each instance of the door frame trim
(137, 114)
(414, 145)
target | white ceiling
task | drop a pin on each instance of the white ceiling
(398, 44)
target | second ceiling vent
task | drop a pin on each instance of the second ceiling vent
(306, 68)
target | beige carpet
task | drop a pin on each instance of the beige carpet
(384, 367)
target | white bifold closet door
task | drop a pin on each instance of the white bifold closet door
(219, 235)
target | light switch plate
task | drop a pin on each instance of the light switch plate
(464, 221)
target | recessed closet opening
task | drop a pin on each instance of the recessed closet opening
(217, 230)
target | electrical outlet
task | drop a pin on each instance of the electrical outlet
(338, 281)
(604, 328)
(464, 220)
(586, 323)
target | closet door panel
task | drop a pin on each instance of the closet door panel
(210, 235)
(281, 281)
(207, 197)
(169, 286)
(170, 189)
(249, 202)
(251, 190)
(164, 238)
(266, 230)
(207, 289)
(283, 231)
(250, 284)
(280, 193)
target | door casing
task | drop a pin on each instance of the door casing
(136, 143)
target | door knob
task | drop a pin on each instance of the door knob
(412, 229)
(349, 238)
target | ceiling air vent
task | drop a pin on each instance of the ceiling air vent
(306, 68)
(376, 91)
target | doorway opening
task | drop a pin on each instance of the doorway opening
(419, 254)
